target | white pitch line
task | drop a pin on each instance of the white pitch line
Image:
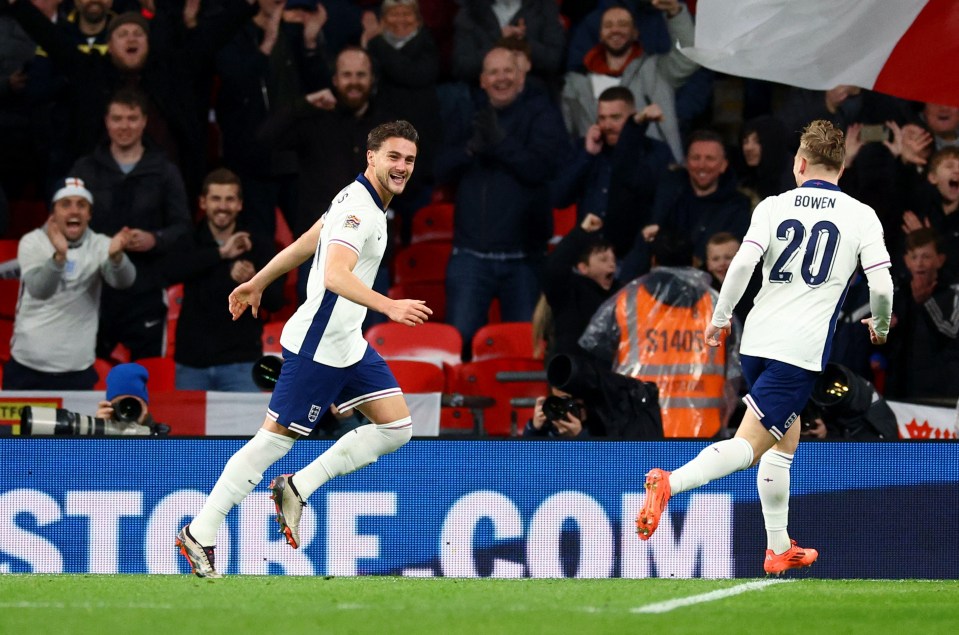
(669, 605)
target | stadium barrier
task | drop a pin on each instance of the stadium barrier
(477, 508)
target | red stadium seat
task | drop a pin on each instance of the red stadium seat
(8, 249)
(479, 379)
(162, 372)
(422, 262)
(433, 293)
(563, 221)
(417, 377)
(433, 222)
(102, 366)
(430, 342)
(271, 338)
(506, 339)
(6, 332)
(9, 293)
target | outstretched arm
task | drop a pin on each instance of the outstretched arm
(250, 292)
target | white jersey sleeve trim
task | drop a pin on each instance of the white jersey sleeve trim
(340, 241)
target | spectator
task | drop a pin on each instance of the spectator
(701, 199)
(614, 172)
(923, 355)
(215, 352)
(501, 162)
(843, 405)
(579, 276)
(269, 64)
(167, 67)
(764, 163)
(407, 62)
(943, 122)
(63, 266)
(481, 23)
(327, 130)
(935, 202)
(652, 330)
(720, 249)
(127, 401)
(135, 186)
(565, 417)
(88, 23)
(619, 60)
(840, 106)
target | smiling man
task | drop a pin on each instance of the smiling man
(701, 199)
(326, 359)
(213, 351)
(63, 266)
(501, 156)
(136, 187)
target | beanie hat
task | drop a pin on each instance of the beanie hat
(130, 17)
(127, 379)
(70, 186)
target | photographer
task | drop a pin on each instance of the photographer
(563, 416)
(128, 404)
(846, 406)
(587, 400)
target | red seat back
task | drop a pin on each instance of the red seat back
(433, 222)
(414, 376)
(505, 339)
(422, 262)
(433, 293)
(432, 342)
(480, 379)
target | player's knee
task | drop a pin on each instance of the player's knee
(395, 435)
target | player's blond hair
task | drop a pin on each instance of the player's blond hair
(823, 144)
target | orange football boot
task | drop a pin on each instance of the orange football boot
(793, 558)
(657, 495)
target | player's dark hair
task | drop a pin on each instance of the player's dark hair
(130, 97)
(922, 237)
(823, 144)
(222, 176)
(384, 131)
(618, 93)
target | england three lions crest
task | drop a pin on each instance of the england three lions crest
(314, 413)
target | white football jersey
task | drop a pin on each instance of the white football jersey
(327, 327)
(811, 239)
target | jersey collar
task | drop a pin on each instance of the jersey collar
(365, 182)
(823, 185)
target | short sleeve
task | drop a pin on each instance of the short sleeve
(350, 225)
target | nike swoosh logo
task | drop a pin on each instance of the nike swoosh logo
(151, 323)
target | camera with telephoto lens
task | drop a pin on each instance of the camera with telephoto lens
(266, 372)
(41, 421)
(556, 408)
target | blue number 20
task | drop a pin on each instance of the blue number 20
(821, 230)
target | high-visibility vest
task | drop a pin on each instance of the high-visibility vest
(666, 345)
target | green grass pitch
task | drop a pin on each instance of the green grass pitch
(109, 604)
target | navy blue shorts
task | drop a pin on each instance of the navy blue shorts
(305, 388)
(778, 391)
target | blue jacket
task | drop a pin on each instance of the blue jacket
(502, 198)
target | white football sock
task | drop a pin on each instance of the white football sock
(355, 449)
(715, 461)
(241, 474)
(772, 481)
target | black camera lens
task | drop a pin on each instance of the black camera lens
(127, 409)
(554, 408)
(266, 372)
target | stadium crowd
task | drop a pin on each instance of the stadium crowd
(570, 139)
